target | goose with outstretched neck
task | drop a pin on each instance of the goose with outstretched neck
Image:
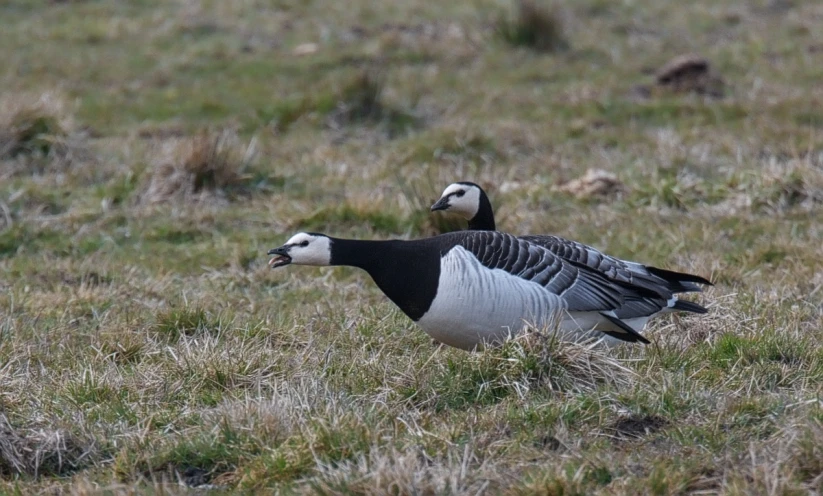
(469, 289)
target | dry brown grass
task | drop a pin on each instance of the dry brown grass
(210, 166)
(37, 134)
(539, 359)
(29, 123)
(408, 472)
(42, 451)
(361, 99)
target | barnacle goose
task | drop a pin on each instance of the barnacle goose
(470, 288)
(468, 200)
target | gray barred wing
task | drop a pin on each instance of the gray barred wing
(612, 267)
(581, 288)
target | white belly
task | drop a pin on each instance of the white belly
(475, 305)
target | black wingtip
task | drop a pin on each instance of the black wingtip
(629, 335)
(688, 306)
(681, 277)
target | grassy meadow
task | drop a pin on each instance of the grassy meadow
(152, 151)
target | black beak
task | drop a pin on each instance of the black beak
(441, 204)
(281, 257)
(283, 250)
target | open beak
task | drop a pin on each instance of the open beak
(281, 257)
(441, 204)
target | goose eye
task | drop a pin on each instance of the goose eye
(460, 193)
(304, 243)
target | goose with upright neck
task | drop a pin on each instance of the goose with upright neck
(471, 202)
(468, 289)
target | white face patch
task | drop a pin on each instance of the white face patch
(309, 249)
(463, 200)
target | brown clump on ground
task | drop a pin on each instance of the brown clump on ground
(687, 73)
(593, 184)
(208, 165)
(37, 132)
(690, 73)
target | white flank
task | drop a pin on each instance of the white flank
(476, 305)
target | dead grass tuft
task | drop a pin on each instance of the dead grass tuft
(806, 453)
(569, 365)
(596, 183)
(361, 100)
(784, 184)
(37, 133)
(404, 472)
(636, 426)
(779, 185)
(537, 26)
(174, 323)
(30, 125)
(789, 462)
(209, 166)
(540, 359)
(41, 451)
(122, 347)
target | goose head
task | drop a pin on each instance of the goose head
(461, 198)
(302, 249)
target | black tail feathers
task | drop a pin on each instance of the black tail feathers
(688, 306)
(679, 282)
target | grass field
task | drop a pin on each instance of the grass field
(151, 152)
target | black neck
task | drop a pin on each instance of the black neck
(406, 271)
(483, 220)
(363, 254)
